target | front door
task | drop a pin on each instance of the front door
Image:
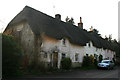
(55, 59)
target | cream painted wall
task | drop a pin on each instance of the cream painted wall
(70, 49)
(93, 50)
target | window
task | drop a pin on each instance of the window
(45, 55)
(76, 57)
(86, 54)
(64, 41)
(63, 55)
(96, 49)
(89, 44)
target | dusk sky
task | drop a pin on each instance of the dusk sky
(101, 14)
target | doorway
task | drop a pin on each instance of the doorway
(55, 60)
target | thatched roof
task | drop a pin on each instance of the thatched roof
(40, 22)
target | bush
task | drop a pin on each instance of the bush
(95, 62)
(37, 69)
(100, 58)
(92, 59)
(66, 63)
(11, 57)
(88, 61)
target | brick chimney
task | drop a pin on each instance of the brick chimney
(58, 16)
(80, 24)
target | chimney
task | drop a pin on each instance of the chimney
(80, 24)
(58, 16)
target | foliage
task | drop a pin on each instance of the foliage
(100, 58)
(66, 63)
(70, 20)
(95, 32)
(11, 56)
(95, 62)
(87, 61)
(116, 48)
(92, 59)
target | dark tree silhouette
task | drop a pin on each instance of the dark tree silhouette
(70, 20)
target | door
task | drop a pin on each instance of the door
(55, 59)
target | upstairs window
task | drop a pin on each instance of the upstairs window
(45, 55)
(64, 41)
(96, 49)
(89, 44)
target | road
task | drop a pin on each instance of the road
(84, 74)
(94, 74)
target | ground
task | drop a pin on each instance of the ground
(93, 74)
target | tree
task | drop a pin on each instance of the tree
(70, 20)
(67, 19)
(100, 58)
(95, 31)
(11, 56)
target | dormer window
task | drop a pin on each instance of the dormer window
(45, 55)
(64, 41)
(96, 49)
(89, 44)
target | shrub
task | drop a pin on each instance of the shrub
(95, 62)
(100, 58)
(11, 57)
(66, 63)
(86, 61)
(92, 59)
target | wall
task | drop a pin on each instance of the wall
(25, 37)
(50, 44)
(91, 50)
(70, 50)
(41, 47)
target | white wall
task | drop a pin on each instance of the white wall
(68, 49)
(71, 49)
(93, 50)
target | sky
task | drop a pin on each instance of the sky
(100, 14)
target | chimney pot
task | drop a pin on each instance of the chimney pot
(80, 24)
(80, 20)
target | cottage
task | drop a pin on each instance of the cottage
(47, 39)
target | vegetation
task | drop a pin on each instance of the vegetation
(113, 45)
(70, 20)
(11, 57)
(100, 58)
(89, 62)
(66, 63)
